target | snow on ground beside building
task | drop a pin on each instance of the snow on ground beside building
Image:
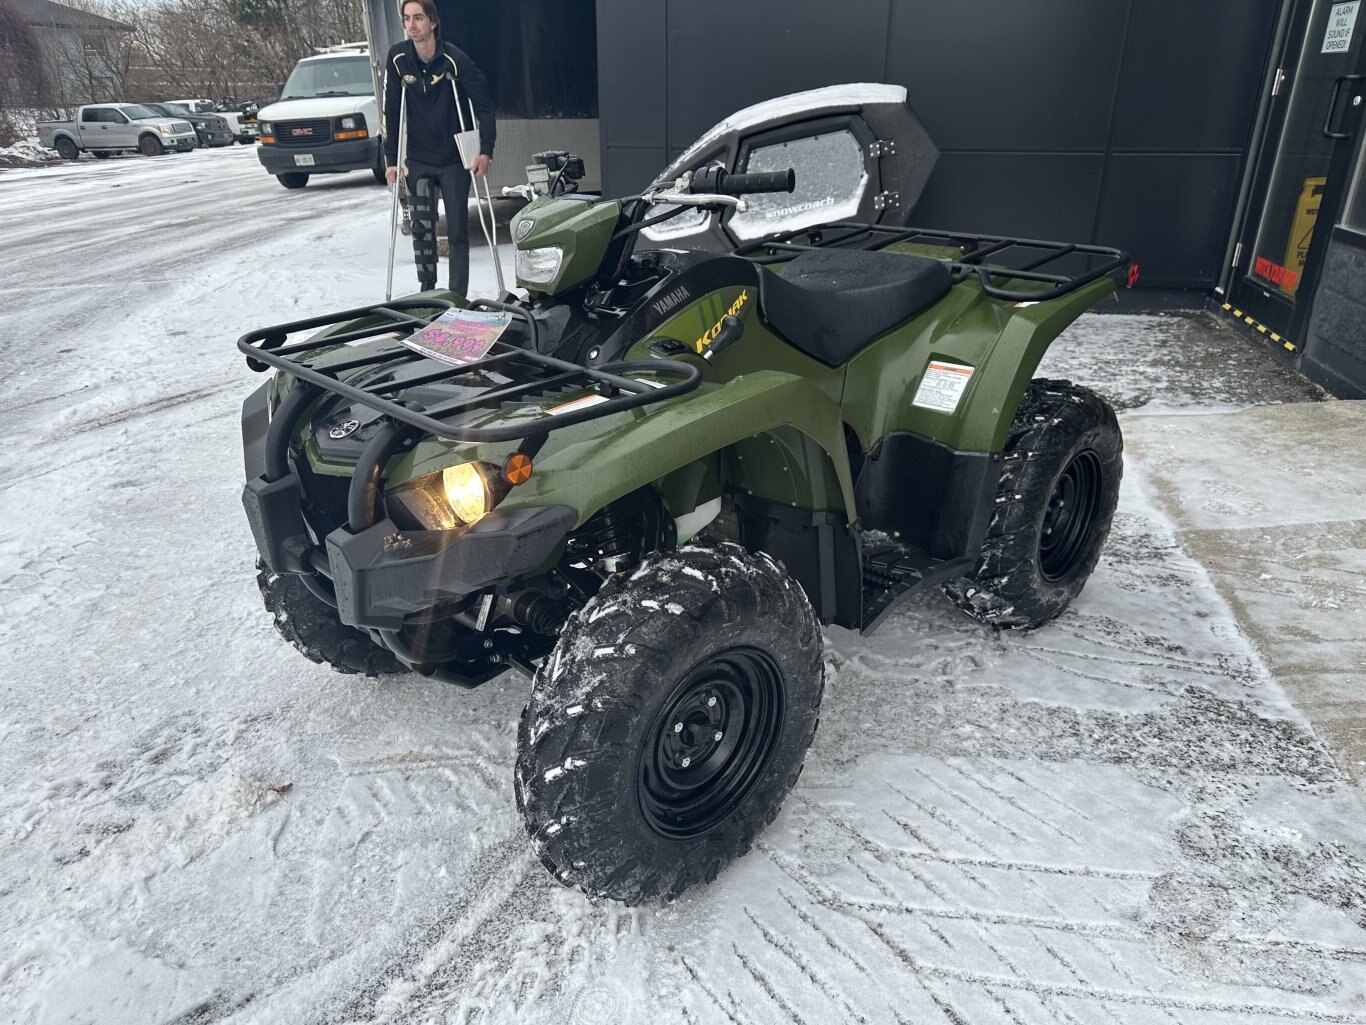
(1118, 818)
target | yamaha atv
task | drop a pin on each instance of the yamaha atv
(737, 406)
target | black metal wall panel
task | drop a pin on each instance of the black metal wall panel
(1009, 75)
(1172, 212)
(1193, 74)
(727, 54)
(1124, 122)
(1029, 195)
(632, 70)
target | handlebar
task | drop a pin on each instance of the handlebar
(758, 181)
(717, 180)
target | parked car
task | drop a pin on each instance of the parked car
(325, 121)
(105, 128)
(246, 111)
(243, 129)
(212, 129)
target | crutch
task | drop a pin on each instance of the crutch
(467, 143)
(402, 167)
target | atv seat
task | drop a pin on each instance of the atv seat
(829, 303)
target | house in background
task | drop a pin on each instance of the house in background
(88, 55)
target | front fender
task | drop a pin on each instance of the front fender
(755, 414)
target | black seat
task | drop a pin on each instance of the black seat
(829, 303)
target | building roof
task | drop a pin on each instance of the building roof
(46, 14)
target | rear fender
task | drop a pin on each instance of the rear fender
(997, 347)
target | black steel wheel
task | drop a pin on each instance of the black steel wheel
(312, 626)
(669, 724)
(66, 149)
(709, 745)
(1062, 464)
(293, 179)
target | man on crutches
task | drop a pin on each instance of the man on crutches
(433, 94)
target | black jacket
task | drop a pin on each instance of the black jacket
(432, 122)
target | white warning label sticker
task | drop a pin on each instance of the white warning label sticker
(942, 386)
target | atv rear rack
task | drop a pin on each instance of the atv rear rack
(533, 375)
(1013, 259)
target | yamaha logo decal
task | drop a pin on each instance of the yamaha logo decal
(523, 228)
(344, 430)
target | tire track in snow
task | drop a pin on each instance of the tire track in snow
(1097, 994)
(804, 965)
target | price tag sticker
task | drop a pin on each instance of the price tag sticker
(459, 336)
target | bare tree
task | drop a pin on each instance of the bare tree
(102, 55)
(25, 82)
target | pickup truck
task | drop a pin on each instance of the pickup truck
(104, 128)
(243, 128)
(212, 129)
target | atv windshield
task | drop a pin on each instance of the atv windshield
(858, 151)
(338, 76)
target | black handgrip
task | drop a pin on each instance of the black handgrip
(758, 181)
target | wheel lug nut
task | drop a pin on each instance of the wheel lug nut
(717, 735)
(678, 727)
(687, 762)
(711, 702)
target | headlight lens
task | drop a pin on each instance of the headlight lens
(348, 123)
(538, 266)
(466, 491)
(265, 128)
(458, 496)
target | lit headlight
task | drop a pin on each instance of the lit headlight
(458, 496)
(348, 124)
(538, 266)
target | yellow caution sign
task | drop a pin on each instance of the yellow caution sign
(1301, 231)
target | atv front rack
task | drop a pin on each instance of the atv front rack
(533, 375)
(1011, 259)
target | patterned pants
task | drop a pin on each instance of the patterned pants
(451, 183)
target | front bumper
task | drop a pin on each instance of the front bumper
(382, 575)
(221, 137)
(350, 155)
(181, 143)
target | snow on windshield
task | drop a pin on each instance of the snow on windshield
(831, 181)
(852, 94)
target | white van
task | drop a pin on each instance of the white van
(325, 121)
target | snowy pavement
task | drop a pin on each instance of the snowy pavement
(1120, 818)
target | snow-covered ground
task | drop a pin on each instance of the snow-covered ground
(1120, 818)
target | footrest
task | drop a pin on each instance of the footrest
(892, 572)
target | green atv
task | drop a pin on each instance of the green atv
(713, 426)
